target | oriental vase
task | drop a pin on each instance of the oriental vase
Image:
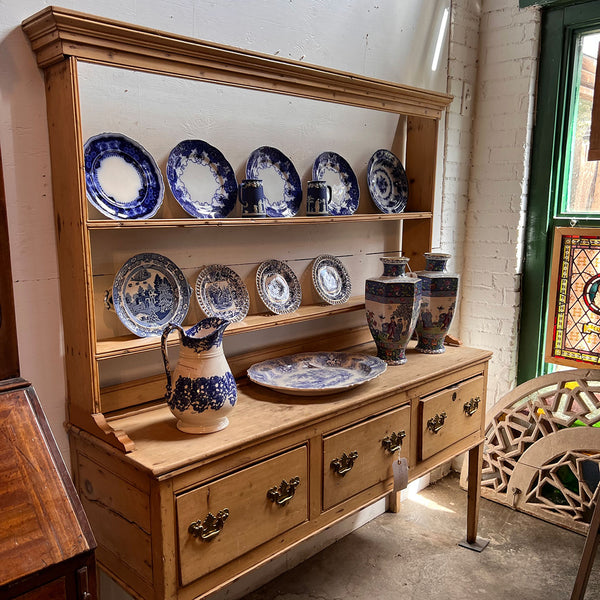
(392, 303)
(439, 302)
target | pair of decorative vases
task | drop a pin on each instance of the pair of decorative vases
(398, 304)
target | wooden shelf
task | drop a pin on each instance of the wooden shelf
(241, 222)
(130, 344)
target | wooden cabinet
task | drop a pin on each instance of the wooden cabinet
(151, 508)
(46, 545)
(178, 516)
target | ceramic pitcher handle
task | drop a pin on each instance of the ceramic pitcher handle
(163, 347)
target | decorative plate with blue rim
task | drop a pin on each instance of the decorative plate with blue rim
(281, 183)
(122, 180)
(331, 280)
(387, 182)
(316, 373)
(335, 170)
(278, 287)
(201, 180)
(221, 293)
(149, 292)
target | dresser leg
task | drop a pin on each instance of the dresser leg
(473, 494)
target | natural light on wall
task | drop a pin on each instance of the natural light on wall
(440, 39)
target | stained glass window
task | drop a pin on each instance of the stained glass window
(575, 298)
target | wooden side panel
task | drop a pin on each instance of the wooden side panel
(70, 208)
(421, 153)
(9, 354)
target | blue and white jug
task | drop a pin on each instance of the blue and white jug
(201, 391)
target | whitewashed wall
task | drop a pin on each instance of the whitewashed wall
(386, 39)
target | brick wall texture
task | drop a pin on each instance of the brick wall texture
(492, 72)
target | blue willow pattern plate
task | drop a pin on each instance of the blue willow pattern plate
(335, 170)
(387, 182)
(122, 180)
(221, 293)
(316, 373)
(278, 287)
(281, 183)
(149, 292)
(201, 180)
(331, 280)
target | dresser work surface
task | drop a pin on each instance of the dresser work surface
(183, 515)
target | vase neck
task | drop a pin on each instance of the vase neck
(436, 262)
(394, 267)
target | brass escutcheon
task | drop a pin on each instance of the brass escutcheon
(285, 492)
(472, 406)
(393, 442)
(342, 465)
(436, 423)
(210, 527)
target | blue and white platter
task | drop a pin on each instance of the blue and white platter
(201, 180)
(221, 293)
(316, 373)
(122, 180)
(331, 280)
(150, 291)
(387, 182)
(335, 170)
(281, 182)
(278, 287)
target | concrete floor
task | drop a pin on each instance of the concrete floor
(414, 555)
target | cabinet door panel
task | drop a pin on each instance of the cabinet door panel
(450, 415)
(373, 462)
(252, 518)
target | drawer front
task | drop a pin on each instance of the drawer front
(359, 457)
(450, 415)
(246, 512)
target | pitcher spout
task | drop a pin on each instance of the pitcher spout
(205, 335)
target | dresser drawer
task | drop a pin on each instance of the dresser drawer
(450, 415)
(247, 509)
(356, 458)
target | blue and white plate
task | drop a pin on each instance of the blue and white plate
(221, 293)
(281, 183)
(122, 180)
(150, 291)
(316, 373)
(278, 287)
(331, 280)
(335, 170)
(387, 182)
(201, 180)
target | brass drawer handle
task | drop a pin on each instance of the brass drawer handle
(436, 423)
(472, 406)
(211, 526)
(342, 465)
(393, 442)
(285, 492)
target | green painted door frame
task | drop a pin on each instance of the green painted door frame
(560, 26)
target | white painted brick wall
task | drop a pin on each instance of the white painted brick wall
(490, 147)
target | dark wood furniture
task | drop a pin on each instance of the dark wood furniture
(46, 544)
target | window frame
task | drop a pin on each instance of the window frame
(559, 30)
